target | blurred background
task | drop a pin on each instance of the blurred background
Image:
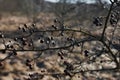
(72, 12)
(18, 15)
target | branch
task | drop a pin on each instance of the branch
(111, 1)
(106, 21)
(111, 54)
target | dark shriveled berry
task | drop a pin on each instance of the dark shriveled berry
(1, 35)
(3, 51)
(86, 53)
(60, 55)
(54, 27)
(25, 25)
(55, 20)
(30, 67)
(97, 21)
(28, 60)
(41, 41)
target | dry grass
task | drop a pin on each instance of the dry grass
(11, 23)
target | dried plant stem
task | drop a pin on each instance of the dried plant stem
(106, 21)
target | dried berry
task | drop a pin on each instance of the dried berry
(54, 27)
(52, 38)
(24, 30)
(48, 38)
(41, 41)
(11, 46)
(86, 52)
(118, 3)
(30, 44)
(19, 28)
(68, 66)
(30, 67)
(53, 42)
(114, 17)
(31, 75)
(33, 25)
(27, 64)
(62, 34)
(43, 71)
(113, 21)
(67, 73)
(25, 25)
(8, 46)
(97, 21)
(1, 35)
(68, 39)
(28, 60)
(55, 20)
(24, 39)
(101, 61)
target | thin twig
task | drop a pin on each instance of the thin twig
(106, 21)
